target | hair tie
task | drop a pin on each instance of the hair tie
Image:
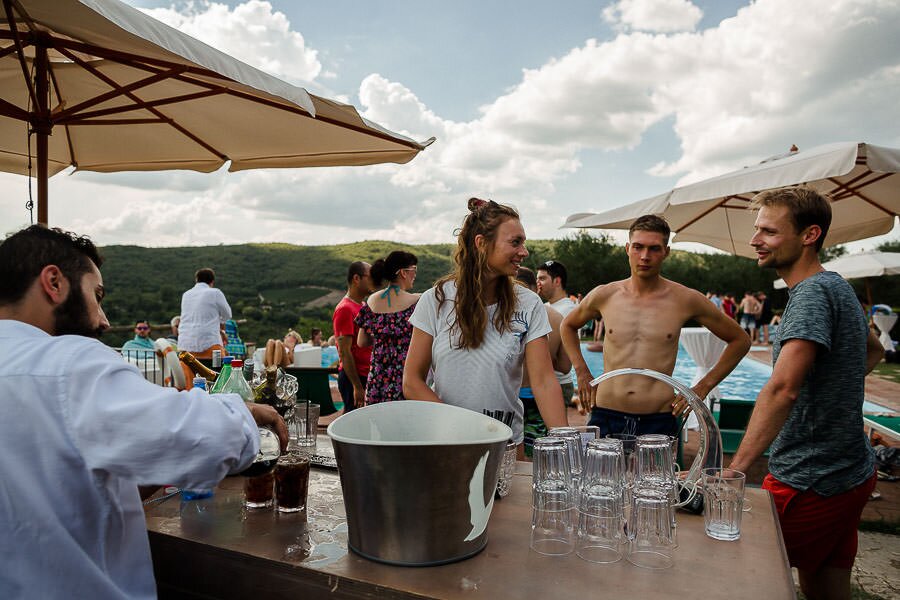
(476, 203)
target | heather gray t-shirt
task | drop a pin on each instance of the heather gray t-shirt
(484, 379)
(822, 445)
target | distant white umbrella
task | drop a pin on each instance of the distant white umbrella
(862, 180)
(121, 91)
(858, 266)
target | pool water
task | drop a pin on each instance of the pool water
(744, 383)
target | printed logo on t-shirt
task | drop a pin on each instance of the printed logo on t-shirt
(504, 416)
(518, 326)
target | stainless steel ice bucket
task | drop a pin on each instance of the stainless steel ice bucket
(418, 480)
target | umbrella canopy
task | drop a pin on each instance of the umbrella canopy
(121, 91)
(862, 180)
(864, 264)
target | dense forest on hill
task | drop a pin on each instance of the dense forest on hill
(277, 286)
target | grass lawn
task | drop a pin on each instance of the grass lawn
(889, 371)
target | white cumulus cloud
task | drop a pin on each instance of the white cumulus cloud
(253, 32)
(663, 16)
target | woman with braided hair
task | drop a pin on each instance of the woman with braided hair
(477, 329)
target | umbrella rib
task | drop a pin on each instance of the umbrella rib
(861, 196)
(17, 42)
(703, 214)
(117, 91)
(8, 109)
(60, 102)
(140, 104)
(162, 101)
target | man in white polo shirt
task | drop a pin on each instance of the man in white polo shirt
(203, 310)
(551, 287)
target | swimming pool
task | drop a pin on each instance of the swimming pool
(744, 383)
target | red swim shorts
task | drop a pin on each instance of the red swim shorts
(819, 531)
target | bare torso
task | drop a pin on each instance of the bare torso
(641, 332)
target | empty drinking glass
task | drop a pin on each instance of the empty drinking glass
(576, 453)
(723, 501)
(654, 463)
(651, 535)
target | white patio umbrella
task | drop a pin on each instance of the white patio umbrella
(863, 182)
(863, 266)
(856, 266)
(104, 87)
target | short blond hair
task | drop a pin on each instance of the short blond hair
(295, 335)
(805, 206)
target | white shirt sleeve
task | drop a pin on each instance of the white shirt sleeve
(222, 305)
(425, 315)
(127, 426)
(539, 322)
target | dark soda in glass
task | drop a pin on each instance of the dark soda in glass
(258, 491)
(291, 482)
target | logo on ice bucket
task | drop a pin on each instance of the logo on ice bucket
(480, 513)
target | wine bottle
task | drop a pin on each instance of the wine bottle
(196, 366)
(266, 392)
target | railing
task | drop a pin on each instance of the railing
(148, 363)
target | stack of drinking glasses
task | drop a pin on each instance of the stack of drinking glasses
(651, 523)
(601, 503)
(553, 503)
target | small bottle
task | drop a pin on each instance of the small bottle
(236, 384)
(224, 374)
(248, 369)
(196, 366)
(188, 495)
(217, 359)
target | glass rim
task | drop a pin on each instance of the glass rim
(718, 473)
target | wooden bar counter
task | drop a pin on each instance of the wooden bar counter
(218, 549)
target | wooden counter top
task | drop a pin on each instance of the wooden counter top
(218, 549)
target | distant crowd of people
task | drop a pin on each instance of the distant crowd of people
(82, 428)
(753, 312)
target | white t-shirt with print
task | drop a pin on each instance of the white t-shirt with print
(485, 379)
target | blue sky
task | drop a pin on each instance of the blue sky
(555, 108)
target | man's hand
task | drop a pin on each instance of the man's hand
(680, 407)
(359, 396)
(586, 392)
(265, 415)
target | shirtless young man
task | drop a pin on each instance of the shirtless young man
(643, 316)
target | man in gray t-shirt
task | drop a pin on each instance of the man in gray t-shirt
(810, 411)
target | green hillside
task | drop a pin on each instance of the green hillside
(277, 286)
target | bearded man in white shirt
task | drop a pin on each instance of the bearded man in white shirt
(80, 429)
(203, 311)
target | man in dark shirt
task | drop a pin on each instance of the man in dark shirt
(821, 465)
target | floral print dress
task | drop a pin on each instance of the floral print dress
(391, 333)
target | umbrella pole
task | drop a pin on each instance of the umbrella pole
(868, 293)
(42, 127)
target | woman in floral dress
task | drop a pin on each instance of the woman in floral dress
(384, 324)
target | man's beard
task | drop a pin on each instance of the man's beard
(71, 317)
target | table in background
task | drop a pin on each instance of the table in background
(226, 551)
(704, 348)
